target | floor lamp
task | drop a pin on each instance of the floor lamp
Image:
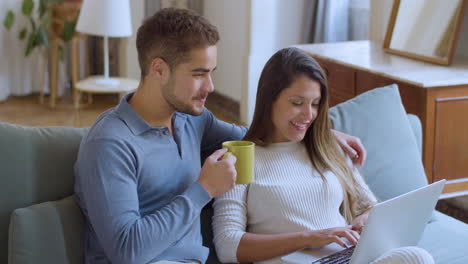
(105, 18)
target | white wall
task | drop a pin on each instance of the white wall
(379, 15)
(290, 22)
(232, 20)
(262, 43)
(129, 55)
(274, 24)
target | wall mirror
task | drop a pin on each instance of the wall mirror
(424, 29)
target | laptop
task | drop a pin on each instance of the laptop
(397, 222)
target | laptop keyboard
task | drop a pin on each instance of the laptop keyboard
(341, 257)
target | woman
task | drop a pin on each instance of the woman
(306, 193)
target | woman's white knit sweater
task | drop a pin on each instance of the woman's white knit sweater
(288, 195)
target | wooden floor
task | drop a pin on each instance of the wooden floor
(26, 110)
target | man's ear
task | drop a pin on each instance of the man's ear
(159, 69)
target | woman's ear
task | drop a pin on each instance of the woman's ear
(159, 70)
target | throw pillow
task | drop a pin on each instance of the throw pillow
(378, 118)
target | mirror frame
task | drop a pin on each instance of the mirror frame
(452, 41)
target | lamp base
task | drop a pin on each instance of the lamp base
(107, 81)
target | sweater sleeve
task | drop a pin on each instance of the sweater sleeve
(230, 222)
(106, 172)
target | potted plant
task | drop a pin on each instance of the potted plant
(49, 20)
(55, 16)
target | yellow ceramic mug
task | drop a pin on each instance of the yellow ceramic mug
(245, 154)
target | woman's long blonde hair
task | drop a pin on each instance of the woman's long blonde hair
(279, 73)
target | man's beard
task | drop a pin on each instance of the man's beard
(178, 105)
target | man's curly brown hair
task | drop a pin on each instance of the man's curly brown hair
(170, 34)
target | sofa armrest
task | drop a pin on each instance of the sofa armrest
(50, 232)
(417, 129)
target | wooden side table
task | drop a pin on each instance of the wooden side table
(90, 86)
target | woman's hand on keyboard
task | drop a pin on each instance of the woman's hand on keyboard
(320, 238)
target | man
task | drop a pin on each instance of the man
(138, 176)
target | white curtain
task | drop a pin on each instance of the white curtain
(337, 20)
(20, 75)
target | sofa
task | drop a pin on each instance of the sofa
(41, 223)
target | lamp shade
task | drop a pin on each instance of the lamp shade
(110, 18)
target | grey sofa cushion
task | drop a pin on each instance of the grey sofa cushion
(50, 232)
(378, 118)
(36, 166)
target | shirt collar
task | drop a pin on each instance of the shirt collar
(137, 124)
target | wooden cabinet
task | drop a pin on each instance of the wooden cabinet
(442, 106)
(340, 82)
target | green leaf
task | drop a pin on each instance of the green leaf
(42, 37)
(68, 30)
(22, 33)
(42, 8)
(9, 19)
(27, 7)
(30, 44)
